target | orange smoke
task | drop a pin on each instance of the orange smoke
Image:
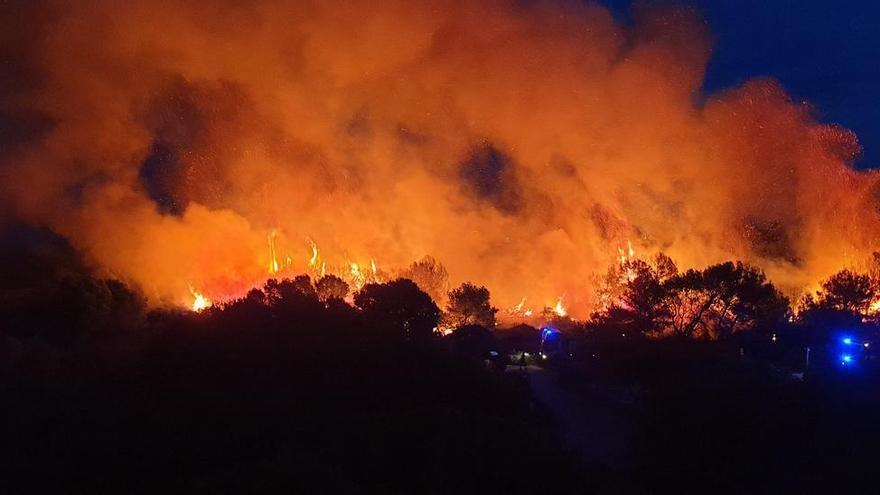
(519, 143)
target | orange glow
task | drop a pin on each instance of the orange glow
(526, 146)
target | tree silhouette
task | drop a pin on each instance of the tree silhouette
(303, 285)
(294, 299)
(399, 306)
(641, 305)
(723, 299)
(845, 291)
(713, 303)
(664, 267)
(331, 287)
(469, 305)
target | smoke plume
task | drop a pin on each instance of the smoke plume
(521, 143)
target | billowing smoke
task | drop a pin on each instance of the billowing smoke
(519, 142)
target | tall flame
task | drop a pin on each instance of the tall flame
(316, 264)
(559, 309)
(357, 277)
(313, 261)
(375, 271)
(273, 262)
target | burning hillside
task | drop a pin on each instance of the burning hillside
(525, 145)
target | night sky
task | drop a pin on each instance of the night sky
(824, 52)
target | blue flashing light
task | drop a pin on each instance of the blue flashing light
(848, 340)
(846, 359)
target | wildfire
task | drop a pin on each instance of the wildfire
(273, 262)
(316, 264)
(874, 307)
(520, 309)
(375, 271)
(357, 277)
(200, 302)
(300, 151)
(627, 254)
(313, 261)
(559, 309)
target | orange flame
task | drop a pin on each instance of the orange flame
(357, 277)
(375, 271)
(559, 309)
(520, 309)
(200, 302)
(273, 263)
(313, 261)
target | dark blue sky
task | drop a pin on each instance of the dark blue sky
(826, 52)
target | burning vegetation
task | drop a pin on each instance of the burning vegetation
(527, 146)
(294, 240)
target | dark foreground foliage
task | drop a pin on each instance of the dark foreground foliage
(208, 406)
(288, 390)
(293, 390)
(263, 409)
